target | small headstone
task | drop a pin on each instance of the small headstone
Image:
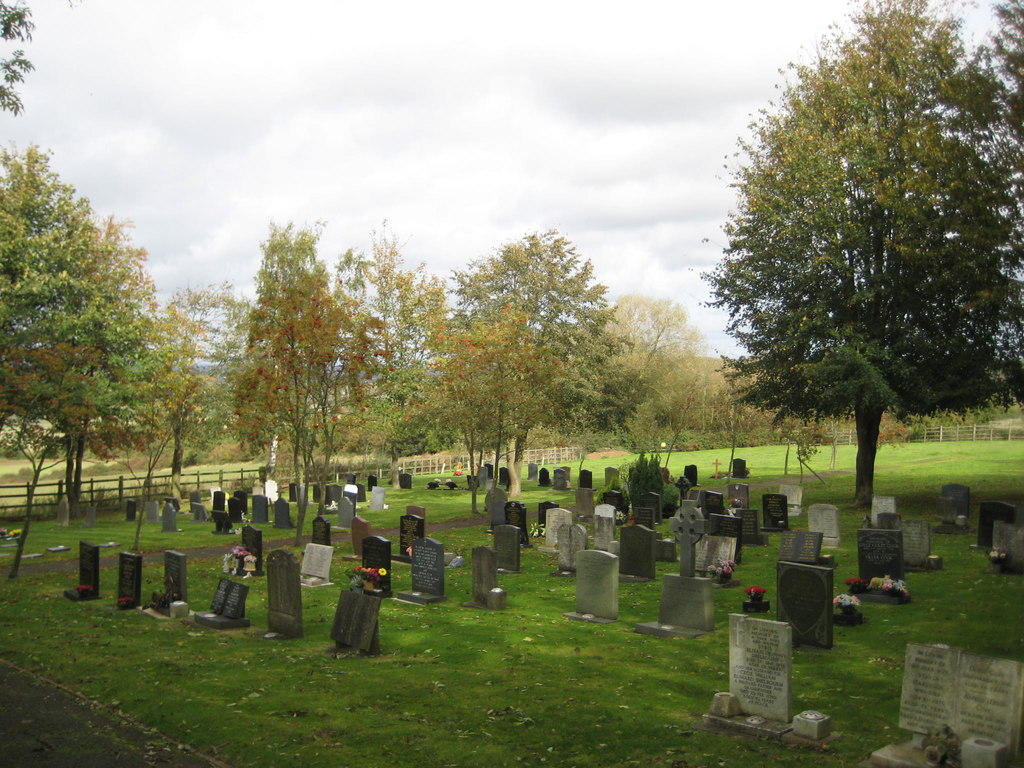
(711, 549)
(282, 515)
(316, 566)
(961, 496)
(752, 535)
(584, 503)
(227, 609)
(611, 474)
(881, 504)
(637, 553)
(221, 522)
(506, 547)
(542, 511)
(562, 478)
(800, 547)
(131, 509)
(152, 510)
(360, 493)
(879, 553)
(199, 514)
(485, 578)
(732, 527)
(586, 479)
(604, 527)
(917, 543)
(824, 518)
(260, 509)
(690, 473)
(804, 600)
(556, 518)
(572, 539)
(405, 481)
(284, 596)
(988, 513)
(714, 503)
(775, 512)
(646, 510)
(361, 529)
(597, 587)
(794, 497)
(1010, 539)
(333, 493)
(346, 511)
(356, 626)
(129, 580)
(321, 531)
(531, 472)
(270, 491)
(377, 554)
(169, 518)
(90, 517)
(195, 497)
(427, 572)
(887, 521)
(687, 608)
(544, 478)
(377, 499)
(739, 469)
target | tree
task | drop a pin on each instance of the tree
(1009, 51)
(871, 264)
(543, 277)
(15, 24)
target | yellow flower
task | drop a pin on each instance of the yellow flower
(383, 572)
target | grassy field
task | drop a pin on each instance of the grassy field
(524, 686)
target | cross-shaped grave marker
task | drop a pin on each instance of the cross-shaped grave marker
(688, 527)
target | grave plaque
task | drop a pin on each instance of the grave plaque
(824, 519)
(800, 547)
(775, 512)
(637, 553)
(321, 531)
(988, 513)
(315, 570)
(917, 543)
(879, 553)
(597, 587)
(356, 626)
(804, 600)
(506, 547)
(227, 609)
(377, 554)
(129, 579)
(410, 528)
(284, 595)
(761, 666)
(427, 572)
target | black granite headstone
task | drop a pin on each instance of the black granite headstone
(377, 554)
(879, 553)
(775, 512)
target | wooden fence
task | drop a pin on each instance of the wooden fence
(941, 434)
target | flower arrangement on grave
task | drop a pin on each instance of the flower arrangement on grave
(894, 587)
(7, 535)
(943, 748)
(367, 578)
(997, 556)
(846, 602)
(736, 503)
(755, 593)
(537, 530)
(721, 569)
(125, 603)
(856, 585)
(249, 564)
(84, 590)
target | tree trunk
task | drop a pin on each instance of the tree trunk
(869, 421)
(394, 469)
(76, 490)
(272, 457)
(515, 467)
(69, 474)
(298, 461)
(29, 499)
(177, 459)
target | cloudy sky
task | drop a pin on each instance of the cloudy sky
(464, 124)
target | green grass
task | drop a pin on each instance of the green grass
(524, 686)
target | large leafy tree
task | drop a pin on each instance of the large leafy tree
(15, 25)
(871, 264)
(543, 277)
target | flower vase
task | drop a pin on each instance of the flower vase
(756, 605)
(368, 586)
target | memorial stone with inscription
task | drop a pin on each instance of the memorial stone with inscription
(761, 667)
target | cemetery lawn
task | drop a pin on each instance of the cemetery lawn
(525, 686)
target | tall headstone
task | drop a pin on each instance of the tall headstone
(282, 515)
(917, 543)
(175, 576)
(410, 528)
(270, 491)
(775, 512)
(235, 509)
(804, 600)
(824, 518)
(377, 554)
(503, 478)
(378, 498)
(486, 593)
(586, 479)
(346, 511)
(284, 596)
(506, 547)
(879, 553)
(129, 580)
(361, 493)
(88, 573)
(315, 570)
(515, 514)
(427, 572)
(544, 478)
(637, 553)
(361, 529)
(572, 539)
(761, 667)
(604, 527)
(131, 509)
(218, 502)
(690, 473)
(495, 502)
(531, 472)
(260, 509)
(597, 587)
(169, 518)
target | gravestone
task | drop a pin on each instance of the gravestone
(711, 549)
(617, 500)
(195, 497)
(542, 511)
(948, 513)
(881, 504)
(604, 527)
(761, 667)
(333, 494)
(416, 509)
(597, 587)
(270, 491)
(503, 478)
(739, 469)
(572, 539)
(131, 509)
(800, 547)
(794, 498)
(169, 518)
(88, 573)
(293, 492)
(586, 479)
(988, 513)
(482, 478)
(556, 518)
(351, 492)
(490, 470)
(751, 527)
(222, 523)
(646, 509)
(356, 626)
(506, 547)
(515, 514)
(739, 495)
(879, 553)
(252, 540)
(917, 543)
(584, 503)
(405, 481)
(494, 502)
(371, 482)
(218, 501)
(260, 509)
(979, 697)
(90, 517)
(243, 498)
(1010, 539)
(887, 521)
(410, 528)
(284, 596)
(321, 531)
(361, 529)
(804, 601)
(961, 496)
(235, 509)
(227, 609)
(346, 511)
(360, 493)
(731, 527)
(378, 497)
(486, 593)
(175, 579)
(562, 478)
(824, 519)
(714, 503)
(152, 511)
(690, 473)
(531, 472)
(611, 475)
(544, 478)
(427, 573)
(315, 570)
(283, 515)
(199, 514)
(129, 580)
(637, 553)
(774, 512)
(377, 554)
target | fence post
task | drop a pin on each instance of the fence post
(120, 490)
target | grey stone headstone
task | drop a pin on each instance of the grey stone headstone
(485, 574)
(556, 518)
(270, 491)
(794, 497)
(611, 474)
(506, 547)
(761, 667)
(597, 584)
(562, 478)
(152, 510)
(316, 564)
(195, 497)
(495, 502)
(90, 517)
(260, 509)
(804, 600)
(604, 527)
(686, 607)
(585, 503)
(961, 496)
(377, 498)
(988, 513)
(176, 575)
(637, 552)
(169, 519)
(887, 521)
(879, 553)
(346, 512)
(881, 504)
(917, 542)
(428, 567)
(199, 514)
(356, 624)
(947, 510)
(824, 518)
(800, 547)
(284, 595)
(738, 492)
(531, 472)
(1010, 539)
(572, 539)
(282, 515)
(712, 548)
